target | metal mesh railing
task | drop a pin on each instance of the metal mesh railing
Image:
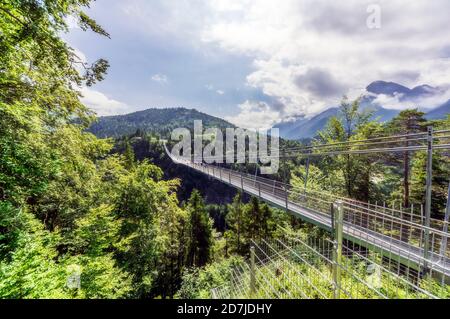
(406, 236)
(397, 232)
(301, 267)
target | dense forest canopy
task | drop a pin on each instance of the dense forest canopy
(70, 204)
(67, 205)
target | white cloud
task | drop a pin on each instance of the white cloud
(160, 78)
(305, 53)
(102, 104)
(398, 102)
(393, 102)
(210, 87)
(254, 115)
(72, 22)
(97, 101)
(308, 53)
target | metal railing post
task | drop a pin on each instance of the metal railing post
(214, 293)
(337, 218)
(259, 189)
(332, 219)
(252, 272)
(426, 246)
(287, 196)
(242, 182)
(307, 173)
(445, 227)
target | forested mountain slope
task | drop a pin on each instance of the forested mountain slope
(158, 121)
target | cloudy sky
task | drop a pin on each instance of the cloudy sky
(256, 62)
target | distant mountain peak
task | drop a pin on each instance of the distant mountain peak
(392, 88)
(424, 90)
(154, 120)
(387, 88)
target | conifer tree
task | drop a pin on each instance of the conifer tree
(199, 232)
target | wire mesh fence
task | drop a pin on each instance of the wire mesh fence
(302, 267)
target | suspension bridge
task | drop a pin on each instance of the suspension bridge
(409, 237)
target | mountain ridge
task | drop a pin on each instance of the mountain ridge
(161, 121)
(307, 128)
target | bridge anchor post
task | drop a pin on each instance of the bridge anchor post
(337, 221)
(428, 198)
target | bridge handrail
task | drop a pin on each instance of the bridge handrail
(258, 178)
(350, 202)
(274, 185)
